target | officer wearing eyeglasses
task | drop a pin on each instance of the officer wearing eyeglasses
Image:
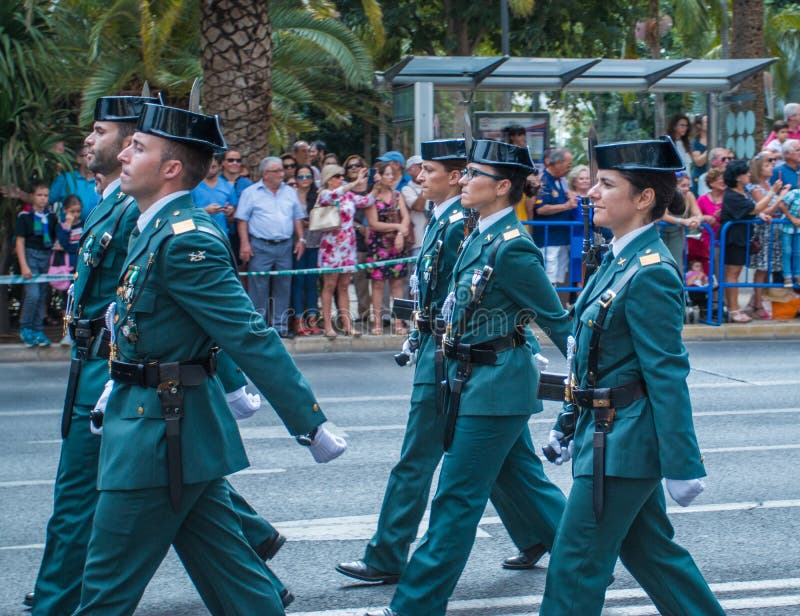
(498, 285)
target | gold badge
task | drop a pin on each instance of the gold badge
(183, 226)
(651, 259)
(510, 235)
(457, 216)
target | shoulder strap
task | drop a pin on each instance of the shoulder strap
(480, 285)
(218, 234)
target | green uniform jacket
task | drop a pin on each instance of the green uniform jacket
(518, 291)
(93, 296)
(449, 228)
(654, 436)
(179, 294)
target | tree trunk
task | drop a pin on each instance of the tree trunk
(237, 64)
(747, 41)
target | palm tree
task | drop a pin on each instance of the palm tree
(747, 41)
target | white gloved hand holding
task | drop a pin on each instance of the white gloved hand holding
(243, 404)
(325, 446)
(100, 406)
(684, 491)
(411, 352)
(541, 362)
(564, 453)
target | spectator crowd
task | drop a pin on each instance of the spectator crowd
(381, 215)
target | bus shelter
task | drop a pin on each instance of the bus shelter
(415, 80)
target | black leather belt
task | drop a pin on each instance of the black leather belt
(430, 325)
(484, 353)
(85, 328)
(152, 374)
(609, 397)
(272, 242)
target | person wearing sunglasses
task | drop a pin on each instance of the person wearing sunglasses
(718, 158)
(352, 165)
(486, 432)
(304, 286)
(337, 248)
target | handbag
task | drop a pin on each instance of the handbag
(59, 285)
(324, 217)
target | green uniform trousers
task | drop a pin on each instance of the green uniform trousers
(486, 451)
(58, 583)
(635, 526)
(409, 485)
(133, 529)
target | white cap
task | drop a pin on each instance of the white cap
(413, 160)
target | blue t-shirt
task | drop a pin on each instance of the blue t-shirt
(785, 173)
(221, 194)
(552, 193)
(73, 183)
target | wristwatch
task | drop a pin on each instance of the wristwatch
(303, 240)
(306, 440)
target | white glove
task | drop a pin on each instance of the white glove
(100, 406)
(684, 491)
(541, 362)
(412, 353)
(564, 453)
(243, 404)
(326, 446)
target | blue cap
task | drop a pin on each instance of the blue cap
(393, 156)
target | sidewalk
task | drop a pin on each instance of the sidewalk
(761, 330)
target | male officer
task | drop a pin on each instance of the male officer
(493, 381)
(103, 249)
(168, 436)
(423, 445)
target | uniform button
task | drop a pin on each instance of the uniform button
(590, 323)
(315, 407)
(238, 369)
(116, 318)
(140, 410)
(176, 212)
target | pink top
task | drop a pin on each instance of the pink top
(709, 208)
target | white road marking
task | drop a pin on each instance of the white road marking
(534, 601)
(29, 482)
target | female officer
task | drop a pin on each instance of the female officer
(493, 381)
(629, 390)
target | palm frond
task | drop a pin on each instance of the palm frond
(522, 8)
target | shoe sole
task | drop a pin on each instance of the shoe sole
(388, 580)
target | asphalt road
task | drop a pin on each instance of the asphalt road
(744, 531)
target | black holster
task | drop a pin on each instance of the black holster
(82, 332)
(170, 393)
(463, 372)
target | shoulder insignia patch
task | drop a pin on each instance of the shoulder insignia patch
(510, 235)
(650, 259)
(183, 226)
(457, 216)
(197, 256)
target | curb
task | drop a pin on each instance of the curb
(770, 330)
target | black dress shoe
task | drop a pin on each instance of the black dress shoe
(287, 598)
(362, 571)
(28, 600)
(384, 612)
(526, 559)
(270, 547)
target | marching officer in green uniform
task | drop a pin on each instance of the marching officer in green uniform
(629, 393)
(169, 437)
(498, 285)
(103, 249)
(409, 483)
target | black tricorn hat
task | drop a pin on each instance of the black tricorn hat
(499, 154)
(652, 155)
(122, 108)
(444, 149)
(195, 129)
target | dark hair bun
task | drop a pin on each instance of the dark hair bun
(677, 206)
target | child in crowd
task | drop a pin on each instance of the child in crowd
(65, 251)
(696, 276)
(36, 232)
(781, 130)
(790, 240)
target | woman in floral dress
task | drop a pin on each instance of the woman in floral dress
(338, 248)
(389, 226)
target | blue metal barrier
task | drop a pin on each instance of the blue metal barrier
(747, 284)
